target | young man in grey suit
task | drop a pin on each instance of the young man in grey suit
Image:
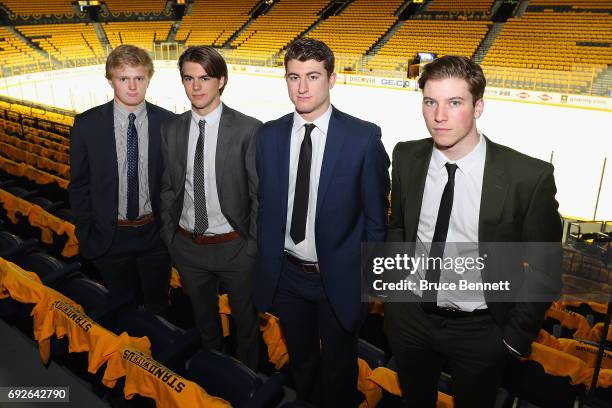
(209, 201)
(460, 187)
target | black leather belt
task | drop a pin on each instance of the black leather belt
(306, 267)
(456, 313)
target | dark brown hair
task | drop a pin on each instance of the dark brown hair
(454, 66)
(304, 49)
(209, 58)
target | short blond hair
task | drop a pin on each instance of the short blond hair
(128, 55)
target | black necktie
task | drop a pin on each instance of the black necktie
(302, 188)
(439, 239)
(132, 169)
(199, 193)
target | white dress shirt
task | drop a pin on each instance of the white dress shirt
(306, 250)
(217, 223)
(463, 225)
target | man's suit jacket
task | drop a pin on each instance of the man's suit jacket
(351, 207)
(235, 172)
(517, 205)
(94, 179)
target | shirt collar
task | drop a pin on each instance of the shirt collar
(467, 163)
(122, 113)
(212, 118)
(322, 122)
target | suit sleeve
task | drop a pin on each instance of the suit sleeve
(541, 226)
(79, 187)
(167, 193)
(251, 170)
(375, 188)
(395, 230)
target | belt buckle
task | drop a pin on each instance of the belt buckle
(306, 268)
(194, 237)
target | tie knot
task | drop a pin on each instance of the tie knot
(309, 127)
(131, 117)
(451, 168)
(202, 125)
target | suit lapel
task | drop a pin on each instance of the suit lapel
(109, 147)
(223, 145)
(494, 191)
(284, 150)
(333, 149)
(415, 186)
(181, 146)
(153, 131)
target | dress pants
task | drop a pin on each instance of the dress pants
(322, 354)
(202, 268)
(138, 263)
(423, 344)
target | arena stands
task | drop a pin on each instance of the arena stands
(65, 42)
(148, 33)
(38, 8)
(440, 37)
(135, 6)
(572, 5)
(271, 32)
(464, 5)
(353, 32)
(213, 23)
(16, 54)
(568, 49)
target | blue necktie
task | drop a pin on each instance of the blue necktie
(132, 169)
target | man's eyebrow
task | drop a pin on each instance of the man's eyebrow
(308, 73)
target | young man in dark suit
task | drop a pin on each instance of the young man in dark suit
(209, 201)
(460, 187)
(115, 169)
(323, 185)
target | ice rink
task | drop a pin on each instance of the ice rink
(577, 140)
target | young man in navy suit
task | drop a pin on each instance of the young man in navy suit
(115, 172)
(323, 186)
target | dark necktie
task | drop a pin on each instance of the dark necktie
(199, 193)
(132, 169)
(302, 188)
(439, 238)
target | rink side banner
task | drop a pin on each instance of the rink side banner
(514, 95)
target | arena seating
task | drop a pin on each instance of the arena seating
(353, 32)
(463, 5)
(565, 49)
(16, 53)
(271, 32)
(441, 37)
(212, 22)
(130, 6)
(65, 41)
(573, 4)
(147, 34)
(38, 8)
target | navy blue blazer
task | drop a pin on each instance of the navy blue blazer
(94, 186)
(352, 203)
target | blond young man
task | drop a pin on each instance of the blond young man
(115, 167)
